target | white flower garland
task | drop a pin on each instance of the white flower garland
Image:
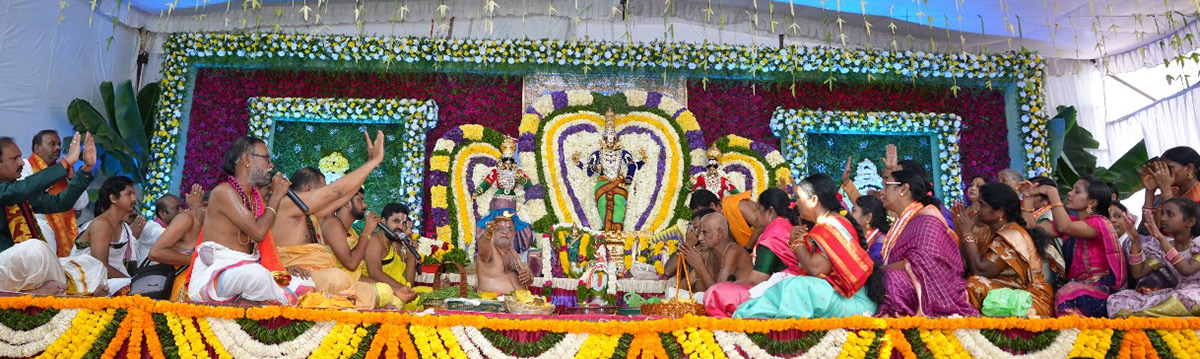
(980, 347)
(241, 345)
(829, 346)
(27, 343)
(474, 343)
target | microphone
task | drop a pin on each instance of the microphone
(296, 199)
(392, 236)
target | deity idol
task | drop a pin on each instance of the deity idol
(712, 179)
(506, 178)
(616, 168)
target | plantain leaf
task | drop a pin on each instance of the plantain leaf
(108, 94)
(147, 100)
(129, 122)
(1076, 143)
(1123, 173)
(85, 118)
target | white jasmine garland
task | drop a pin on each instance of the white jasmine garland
(544, 105)
(669, 105)
(579, 98)
(27, 343)
(635, 98)
(980, 347)
(241, 345)
(829, 346)
(471, 337)
(774, 159)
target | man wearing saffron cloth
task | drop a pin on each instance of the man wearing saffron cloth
(227, 265)
(302, 241)
(58, 229)
(27, 263)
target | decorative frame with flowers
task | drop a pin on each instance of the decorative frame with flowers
(415, 117)
(760, 164)
(186, 52)
(452, 208)
(562, 113)
(792, 125)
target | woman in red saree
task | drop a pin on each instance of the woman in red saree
(773, 259)
(923, 268)
(836, 264)
(1095, 261)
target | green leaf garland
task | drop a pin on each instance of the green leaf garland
(1115, 348)
(780, 347)
(918, 345)
(513, 347)
(671, 345)
(1039, 341)
(876, 346)
(1160, 345)
(165, 337)
(365, 345)
(622, 350)
(274, 336)
(17, 320)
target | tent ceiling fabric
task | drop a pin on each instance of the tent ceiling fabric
(1070, 29)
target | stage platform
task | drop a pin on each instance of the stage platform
(58, 327)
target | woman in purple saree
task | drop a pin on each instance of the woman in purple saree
(923, 269)
(1095, 261)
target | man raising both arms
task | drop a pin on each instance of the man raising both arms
(236, 221)
(303, 243)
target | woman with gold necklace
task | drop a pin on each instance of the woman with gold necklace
(999, 252)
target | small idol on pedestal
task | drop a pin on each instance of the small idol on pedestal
(506, 178)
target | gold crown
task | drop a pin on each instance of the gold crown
(509, 147)
(713, 152)
(610, 122)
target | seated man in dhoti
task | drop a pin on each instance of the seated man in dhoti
(179, 239)
(390, 261)
(27, 263)
(302, 241)
(499, 268)
(227, 265)
(108, 237)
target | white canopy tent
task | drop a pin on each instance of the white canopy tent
(54, 51)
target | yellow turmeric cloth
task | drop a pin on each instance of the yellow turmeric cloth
(393, 266)
(328, 275)
(737, 224)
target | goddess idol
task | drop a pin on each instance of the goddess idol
(616, 168)
(713, 179)
(506, 178)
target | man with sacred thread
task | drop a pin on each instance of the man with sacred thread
(616, 168)
(713, 179)
(498, 268)
(506, 178)
(333, 257)
(227, 265)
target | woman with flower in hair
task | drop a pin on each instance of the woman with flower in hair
(1095, 262)
(836, 267)
(1000, 252)
(776, 214)
(1166, 265)
(923, 269)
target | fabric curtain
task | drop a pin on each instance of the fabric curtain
(1170, 122)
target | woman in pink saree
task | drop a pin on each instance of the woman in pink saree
(1095, 261)
(923, 269)
(773, 259)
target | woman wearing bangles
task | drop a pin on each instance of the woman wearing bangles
(1095, 262)
(998, 250)
(1166, 265)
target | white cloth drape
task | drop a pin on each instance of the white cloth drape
(1170, 122)
(1084, 89)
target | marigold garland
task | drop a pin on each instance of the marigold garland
(211, 338)
(1092, 343)
(124, 331)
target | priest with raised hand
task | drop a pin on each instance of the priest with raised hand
(27, 263)
(58, 229)
(332, 261)
(227, 265)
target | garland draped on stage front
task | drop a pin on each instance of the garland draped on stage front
(139, 327)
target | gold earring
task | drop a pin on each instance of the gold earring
(1089, 210)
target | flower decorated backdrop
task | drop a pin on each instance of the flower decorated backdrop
(751, 165)
(827, 152)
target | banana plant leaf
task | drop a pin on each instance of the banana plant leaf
(85, 118)
(1076, 143)
(128, 122)
(1075, 161)
(147, 100)
(108, 95)
(1124, 172)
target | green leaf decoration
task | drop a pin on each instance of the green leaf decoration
(1039, 341)
(1075, 161)
(274, 336)
(170, 350)
(108, 95)
(128, 122)
(671, 345)
(1159, 344)
(1115, 348)
(789, 347)
(365, 345)
(17, 319)
(514, 347)
(622, 350)
(147, 101)
(918, 345)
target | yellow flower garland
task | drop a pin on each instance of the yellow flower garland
(78, 340)
(1092, 343)
(858, 343)
(1183, 343)
(598, 346)
(699, 343)
(943, 345)
(211, 339)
